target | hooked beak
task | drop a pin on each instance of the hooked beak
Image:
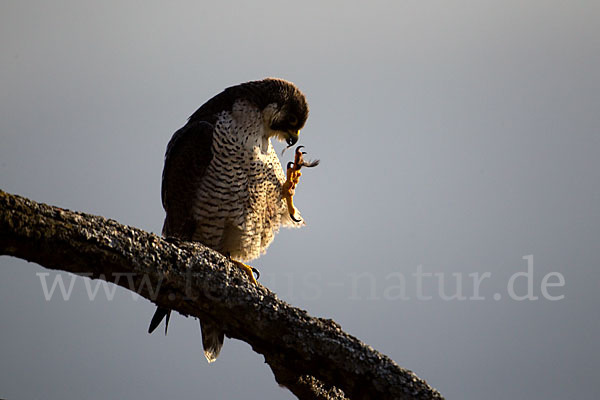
(292, 138)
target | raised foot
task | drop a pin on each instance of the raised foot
(293, 177)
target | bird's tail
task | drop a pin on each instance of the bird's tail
(159, 315)
(212, 335)
(212, 340)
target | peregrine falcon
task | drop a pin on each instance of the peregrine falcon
(223, 184)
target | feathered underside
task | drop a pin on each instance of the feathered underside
(222, 178)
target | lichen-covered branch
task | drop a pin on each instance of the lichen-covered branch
(313, 357)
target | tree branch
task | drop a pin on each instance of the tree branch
(313, 357)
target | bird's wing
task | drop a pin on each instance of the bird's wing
(187, 157)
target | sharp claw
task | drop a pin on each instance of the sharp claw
(294, 219)
(299, 161)
(311, 164)
(167, 322)
(257, 272)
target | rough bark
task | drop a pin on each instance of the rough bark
(311, 356)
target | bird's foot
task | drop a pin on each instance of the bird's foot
(173, 240)
(248, 270)
(293, 177)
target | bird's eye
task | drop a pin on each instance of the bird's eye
(293, 120)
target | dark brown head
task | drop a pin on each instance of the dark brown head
(290, 112)
(283, 105)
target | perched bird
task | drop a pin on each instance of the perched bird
(223, 184)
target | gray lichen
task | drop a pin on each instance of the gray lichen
(313, 357)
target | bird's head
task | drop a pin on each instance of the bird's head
(284, 107)
(289, 115)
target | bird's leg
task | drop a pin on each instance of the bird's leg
(289, 187)
(248, 270)
(293, 176)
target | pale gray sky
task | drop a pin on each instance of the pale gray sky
(455, 138)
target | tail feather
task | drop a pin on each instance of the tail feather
(212, 335)
(212, 340)
(159, 315)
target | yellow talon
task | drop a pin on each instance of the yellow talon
(246, 269)
(293, 177)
